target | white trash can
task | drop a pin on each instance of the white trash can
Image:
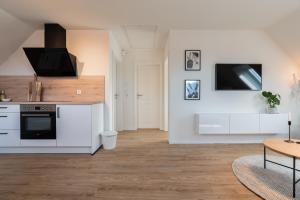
(109, 139)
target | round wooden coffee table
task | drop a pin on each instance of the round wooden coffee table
(291, 150)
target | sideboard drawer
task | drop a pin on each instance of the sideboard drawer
(9, 108)
(213, 123)
(9, 138)
(10, 121)
(274, 123)
(244, 123)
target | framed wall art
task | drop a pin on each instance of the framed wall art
(192, 60)
(192, 90)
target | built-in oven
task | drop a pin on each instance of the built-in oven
(38, 121)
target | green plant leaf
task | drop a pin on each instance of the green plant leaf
(271, 99)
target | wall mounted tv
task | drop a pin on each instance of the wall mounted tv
(238, 77)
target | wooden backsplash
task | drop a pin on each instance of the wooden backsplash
(56, 89)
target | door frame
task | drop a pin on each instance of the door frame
(136, 67)
(117, 107)
(114, 91)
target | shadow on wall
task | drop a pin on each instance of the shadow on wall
(295, 97)
(295, 89)
(260, 102)
(80, 66)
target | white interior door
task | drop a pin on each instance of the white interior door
(114, 92)
(118, 99)
(148, 95)
(117, 96)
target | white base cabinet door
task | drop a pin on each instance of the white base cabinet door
(274, 123)
(9, 138)
(74, 126)
(244, 124)
(10, 121)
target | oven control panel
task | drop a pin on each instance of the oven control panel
(38, 108)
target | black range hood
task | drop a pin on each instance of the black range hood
(54, 59)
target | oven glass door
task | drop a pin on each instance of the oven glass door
(38, 125)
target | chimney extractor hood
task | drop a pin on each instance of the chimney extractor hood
(54, 59)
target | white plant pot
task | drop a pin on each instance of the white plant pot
(272, 110)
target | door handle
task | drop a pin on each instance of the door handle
(139, 95)
(58, 112)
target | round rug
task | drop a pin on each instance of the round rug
(273, 183)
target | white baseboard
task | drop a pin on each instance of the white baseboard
(43, 150)
(229, 139)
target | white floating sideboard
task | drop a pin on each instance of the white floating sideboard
(241, 123)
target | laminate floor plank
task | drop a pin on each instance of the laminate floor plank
(143, 167)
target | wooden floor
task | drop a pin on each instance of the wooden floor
(143, 167)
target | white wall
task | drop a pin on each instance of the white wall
(286, 33)
(89, 46)
(17, 64)
(224, 47)
(130, 62)
(13, 32)
(92, 49)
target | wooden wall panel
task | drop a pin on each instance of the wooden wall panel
(16, 87)
(56, 89)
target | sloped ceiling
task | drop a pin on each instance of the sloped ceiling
(175, 14)
(279, 18)
(163, 14)
(13, 33)
(286, 33)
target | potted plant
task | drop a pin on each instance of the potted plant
(273, 101)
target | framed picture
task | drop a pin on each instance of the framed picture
(192, 60)
(192, 90)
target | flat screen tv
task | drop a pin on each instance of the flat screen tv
(238, 77)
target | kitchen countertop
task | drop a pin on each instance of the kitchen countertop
(50, 102)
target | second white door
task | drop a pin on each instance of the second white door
(148, 96)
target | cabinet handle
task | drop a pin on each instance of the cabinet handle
(3, 116)
(3, 107)
(57, 112)
(3, 133)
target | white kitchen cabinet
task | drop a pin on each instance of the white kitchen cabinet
(74, 125)
(97, 126)
(9, 108)
(9, 125)
(78, 129)
(9, 138)
(10, 121)
(244, 123)
(274, 123)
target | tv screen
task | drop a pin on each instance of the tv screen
(238, 77)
